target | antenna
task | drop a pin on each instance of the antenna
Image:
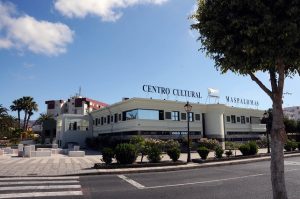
(79, 91)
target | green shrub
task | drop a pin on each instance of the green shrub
(140, 144)
(245, 149)
(203, 152)
(228, 153)
(125, 153)
(232, 145)
(249, 148)
(174, 153)
(107, 155)
(253, 148)
(153, 153)
(209, 144)
(219, 152)
(290, 145)
(170, 144)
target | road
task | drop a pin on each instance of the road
(245, 181)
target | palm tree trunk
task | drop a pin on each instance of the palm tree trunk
(29, 115)
(19, 119)
(24, 122)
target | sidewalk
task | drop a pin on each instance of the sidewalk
(64, 165)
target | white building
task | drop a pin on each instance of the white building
(162, 119)
(292, 113)
(165, 119)
(74, 105)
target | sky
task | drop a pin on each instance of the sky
(111, 48)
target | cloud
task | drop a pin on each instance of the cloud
(26, 32)
(28, 65)
(107, 10)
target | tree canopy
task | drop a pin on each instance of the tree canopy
(250, 35)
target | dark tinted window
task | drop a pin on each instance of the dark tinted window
(197, 117)
(168, 115)
(183, 116)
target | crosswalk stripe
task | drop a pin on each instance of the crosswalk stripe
(40, 187)
(40, 178)
(40, 182)
(40, 194)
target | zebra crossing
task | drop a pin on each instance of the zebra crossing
(35, 187)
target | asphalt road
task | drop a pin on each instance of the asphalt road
(235, 181)
(242, 181)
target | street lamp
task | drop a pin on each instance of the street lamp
(188, 108)
(267, 120)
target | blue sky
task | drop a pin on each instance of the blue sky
(49, 48)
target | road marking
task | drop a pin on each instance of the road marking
(291, 163)
(41, 194)
(202, 182)
(40, 182)
(41, 178)
(40, 187)
(132, 182)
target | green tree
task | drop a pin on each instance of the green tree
(140, 144)
(17, 106)
(252, 36)
(3, 110)
(290, 125)
(33, 107)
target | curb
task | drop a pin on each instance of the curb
(165, 168)
(180, 167)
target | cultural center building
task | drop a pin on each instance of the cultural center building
(163, 119)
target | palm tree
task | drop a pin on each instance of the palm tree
(32, 107)
(17, 106)
(42, 118)
(3, 111)
(40, 121)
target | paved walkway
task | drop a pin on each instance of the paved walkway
(64, 165)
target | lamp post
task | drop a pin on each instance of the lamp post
(267, 120)
(188, 108)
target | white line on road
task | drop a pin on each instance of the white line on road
(41, 194)
(40, 187)
(203, 182)
(40, 178)
(132, 182)
(40, 182)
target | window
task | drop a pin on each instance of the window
(243, 119)
(175, 115)
(144, 114)
(183, 116)
(191, 116)
(238, 119)
(228, 119)
(168, 115)
(120, 117)
(247, 119)
(197, 117)
(108, 119)
(148, 114)
(233, 119)
(112, 119)
(161, 115)
(116, 117)
(102, 120)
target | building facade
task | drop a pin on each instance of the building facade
(165, 119)
(292, 113)
(74, 105)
